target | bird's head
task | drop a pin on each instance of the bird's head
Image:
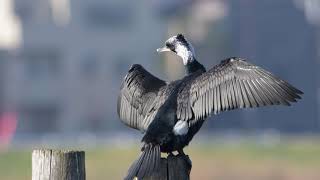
(179, 45)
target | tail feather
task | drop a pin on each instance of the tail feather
(134, 168)
(146, 164)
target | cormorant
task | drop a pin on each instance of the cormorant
(171, 113)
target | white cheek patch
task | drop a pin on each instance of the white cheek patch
(184, 53)
(181, 128)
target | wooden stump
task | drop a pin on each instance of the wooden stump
(173, 168)
(58, 165)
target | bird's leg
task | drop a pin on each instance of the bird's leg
(180, 151)
(186, 157)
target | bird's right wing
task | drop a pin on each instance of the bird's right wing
(138, 92)
(232, 84)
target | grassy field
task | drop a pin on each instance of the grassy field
(247, 161)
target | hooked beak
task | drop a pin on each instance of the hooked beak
(163, 49)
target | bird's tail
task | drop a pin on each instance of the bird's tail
(147, 163)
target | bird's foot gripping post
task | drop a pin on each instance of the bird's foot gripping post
(177, 167)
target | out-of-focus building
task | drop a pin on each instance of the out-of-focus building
(61, 68)
(277, 35)
(65, 75)
(311, 10)
(2, 75)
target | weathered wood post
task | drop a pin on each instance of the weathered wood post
(58, 165)
(173, 168)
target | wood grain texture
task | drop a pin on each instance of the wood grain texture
(58, 165)
(174, 167)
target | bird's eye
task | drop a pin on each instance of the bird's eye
(170, 46)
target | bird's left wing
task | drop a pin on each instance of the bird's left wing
(137, 95)
(234, 83)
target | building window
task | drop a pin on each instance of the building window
(24, 10)
(107, 16)
(41, 63)
(39, 118)
(89, 66)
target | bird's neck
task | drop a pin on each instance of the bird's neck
(188, 56)
(193, 65)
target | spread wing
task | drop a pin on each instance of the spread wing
(234, 83)
(138, 92)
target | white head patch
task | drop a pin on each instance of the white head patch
(183, 48)
(186, 54)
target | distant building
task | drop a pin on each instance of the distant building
(71, 56)
(67, 71)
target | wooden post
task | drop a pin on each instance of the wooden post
(58, 165)
(173, 168)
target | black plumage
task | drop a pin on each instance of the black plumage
(171, 113)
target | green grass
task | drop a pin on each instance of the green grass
(15, 165)
(246, 160)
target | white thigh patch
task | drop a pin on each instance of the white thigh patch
(181, 128)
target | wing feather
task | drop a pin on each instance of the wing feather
(138, 92)
(234, 83)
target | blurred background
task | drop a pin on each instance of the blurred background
(62, 62)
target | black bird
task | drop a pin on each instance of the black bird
(171, 113)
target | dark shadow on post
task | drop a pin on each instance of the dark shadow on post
(173, 168)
